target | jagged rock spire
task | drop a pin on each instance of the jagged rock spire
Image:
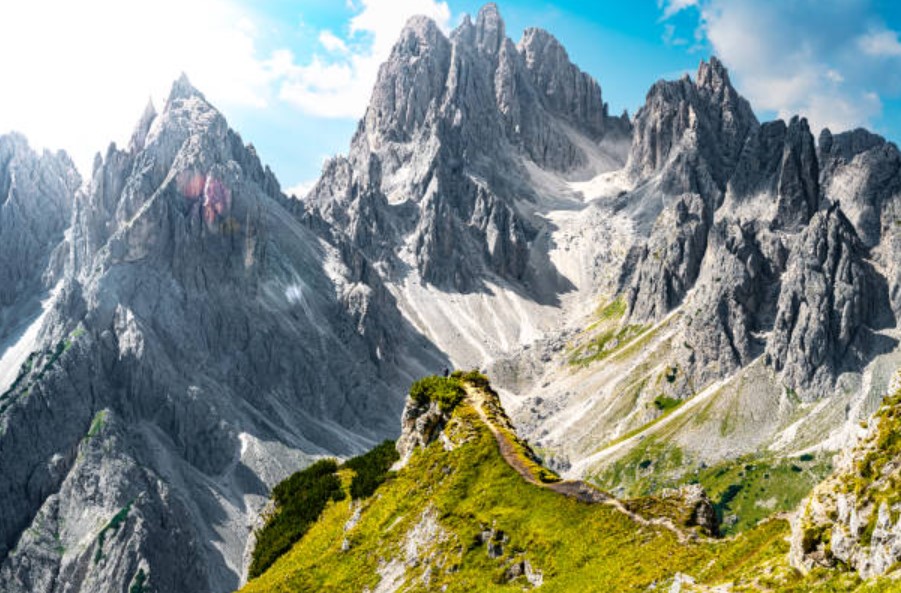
(143, 126)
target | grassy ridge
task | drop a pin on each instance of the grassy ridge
(424, 529)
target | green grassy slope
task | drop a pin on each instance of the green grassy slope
(464, 520)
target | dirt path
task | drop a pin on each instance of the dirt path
(577, 489)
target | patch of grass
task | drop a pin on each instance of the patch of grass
(436, 518)
(470, 489)
(749, 489)
(744, 491)
(501, 422)
(645, 470)
(137, 584)
(605, 344)
(113, 526)
(608, 313)
(612, 311)
(97, 424)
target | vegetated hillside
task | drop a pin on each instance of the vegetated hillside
(463, 515)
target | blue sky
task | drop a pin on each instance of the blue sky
(293, 76)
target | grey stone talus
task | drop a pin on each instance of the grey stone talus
(205, 342)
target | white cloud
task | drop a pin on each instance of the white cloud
(880, 43)
(673, 7)
(332, 42)
(77, 74)
(299, 190)
(340, 85)
(802, 57)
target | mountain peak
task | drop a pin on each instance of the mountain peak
(421, 26)
(713, 75)
(139, 135)
(490, 29)
(183, 89)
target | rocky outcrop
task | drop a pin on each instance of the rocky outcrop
(670, 260)
(862, 171)
(831, 297)
(421, 424)
(409, 84)
(776, 176)
(734, 302)
(852, 517)
(566, 91)
(692, 508)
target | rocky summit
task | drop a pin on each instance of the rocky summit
(689, 318)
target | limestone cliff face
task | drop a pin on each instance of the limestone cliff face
(777, 265)
(208, 334)
(687, 125)
(36, 197)
(671, 259)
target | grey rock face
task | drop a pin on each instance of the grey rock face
(830, 298)
(671, 259)
(437, 163)
(863, 172)
(779, 161)
(36, 196)
(735, 303)
(566, 90)
(410, 81)
(706, 116)
(420, 425)
(205, 343)
(846, 519)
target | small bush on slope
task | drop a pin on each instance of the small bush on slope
(446, 391)
(299, 500)
(371, 469)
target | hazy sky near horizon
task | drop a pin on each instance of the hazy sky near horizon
(294, 76)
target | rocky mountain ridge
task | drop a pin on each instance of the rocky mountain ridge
(203, 342)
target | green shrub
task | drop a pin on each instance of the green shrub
(446, 391)
(137, 585)
(665, 404)
(299, 500)
(113, 526)
(371, 469)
